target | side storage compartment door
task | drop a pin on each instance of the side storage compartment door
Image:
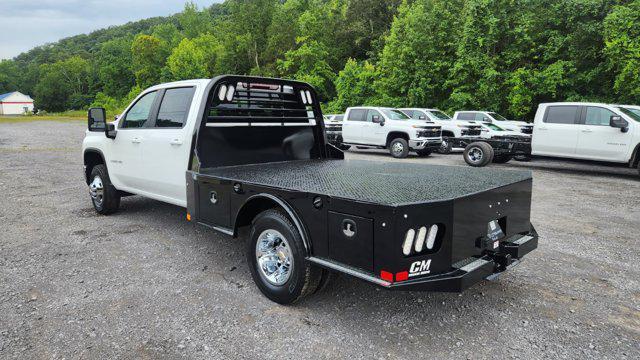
(214, 203)
(351, 240)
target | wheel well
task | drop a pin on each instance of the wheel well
(635, 156)
(251, 209)
(395, 135)
(448, 133)
(91, 159)
(259, 203)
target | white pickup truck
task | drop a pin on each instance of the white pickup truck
(450, 129)
(492, 117)
(589, 131)
(387, 128)
(241, 152)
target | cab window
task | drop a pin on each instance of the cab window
(371, 114)
(174, 107)
(466, 116)
(140, 112)
(565, 114)
(481, 117)
(357, 115)
(598, 116)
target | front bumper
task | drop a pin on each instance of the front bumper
(428, 143)
(470, 271)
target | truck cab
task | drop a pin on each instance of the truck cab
(450, 129)
(589, 131)
(381, 127)
(495, 118)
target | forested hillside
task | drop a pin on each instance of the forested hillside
(501, 55)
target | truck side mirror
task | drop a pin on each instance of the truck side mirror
(616, 121)
(422, 117)
(110, 131)
(96, 119)
(377, 120)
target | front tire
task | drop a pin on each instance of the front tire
(104, 196)
(399, 148)
(276, 256)
(445, 147)
(478, 154)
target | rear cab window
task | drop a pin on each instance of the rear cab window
(562, 114)
(174, 108)
(357, 115)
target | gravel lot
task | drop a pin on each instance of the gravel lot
(144, 283)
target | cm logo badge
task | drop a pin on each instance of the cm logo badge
(420, 268)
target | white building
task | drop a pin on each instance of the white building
(15, 103)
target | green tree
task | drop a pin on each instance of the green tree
(622, 48)
(193, 21)
(9, 76)
(64, 85)
(149, 55)
(355, 86)
(114, 67)
(194, 58)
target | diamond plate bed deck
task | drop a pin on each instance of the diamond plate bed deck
(371, 181)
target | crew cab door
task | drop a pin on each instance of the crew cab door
(598, 140)
(125, 162)
(355, 127)
(555, 132)
(167, 145)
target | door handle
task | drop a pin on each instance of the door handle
(136, 140)
(587, 131)
(542, 128)
(176, 142)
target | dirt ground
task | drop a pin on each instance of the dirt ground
(145, 283)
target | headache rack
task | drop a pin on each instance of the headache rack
(238, 101)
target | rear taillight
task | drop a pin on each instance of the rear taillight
(421, 241)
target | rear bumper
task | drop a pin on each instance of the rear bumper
(473, 270)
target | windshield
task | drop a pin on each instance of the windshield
(395, 114)
(494, 127)
(440, 115)
(632, 113)
(497, 116)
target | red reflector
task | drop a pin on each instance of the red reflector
(402, 276)
(387, 276)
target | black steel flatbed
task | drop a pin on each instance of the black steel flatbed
(383, 183)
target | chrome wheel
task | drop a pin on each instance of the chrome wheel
(444, 146)
(475, 154)
(397, 148)
(274, 258)
(96, 190)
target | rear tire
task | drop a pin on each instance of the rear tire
(399, 148)
(502, 159)
(104, 197)
(445, 147)
(424, 153)
(276, 257)
(478, 154)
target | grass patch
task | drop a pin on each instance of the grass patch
(32, 118)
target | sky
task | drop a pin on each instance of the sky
(25, 24)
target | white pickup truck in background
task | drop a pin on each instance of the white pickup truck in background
(495, 118)
(589, 131)
(388, 128)
(450, 128)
